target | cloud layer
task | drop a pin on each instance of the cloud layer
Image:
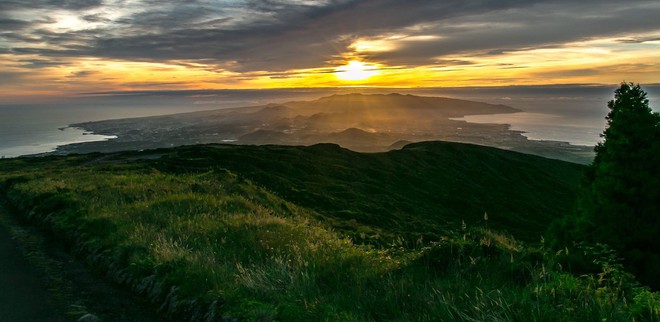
(273, 37)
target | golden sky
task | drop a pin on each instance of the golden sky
(51, 48)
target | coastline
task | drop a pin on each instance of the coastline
(542, 127)
(71, 135)
(495, 135)
(468, 122)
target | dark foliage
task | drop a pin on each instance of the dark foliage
(417, 192)
(620, 201)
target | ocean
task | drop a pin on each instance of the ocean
(574, 114)
(32, 129)
(566, 113)
(552, 127)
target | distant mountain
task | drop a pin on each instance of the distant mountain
(368, 123)
(399, 105)
(271, 113)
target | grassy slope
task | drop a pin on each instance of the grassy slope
(421, 190)
(190, 236)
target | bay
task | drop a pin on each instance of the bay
(568, 113)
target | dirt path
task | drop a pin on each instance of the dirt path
(41, 281)
(23, 295)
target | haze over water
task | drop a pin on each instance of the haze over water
(560, 113)
(41, 128)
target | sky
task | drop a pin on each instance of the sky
(55, 48)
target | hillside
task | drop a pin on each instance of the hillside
(267, 233)
(421, 190)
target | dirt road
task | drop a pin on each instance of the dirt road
(23, 294)
(41, 281)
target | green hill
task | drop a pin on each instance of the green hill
(421, 190)
(320, 233)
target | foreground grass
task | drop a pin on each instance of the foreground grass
(212, 239)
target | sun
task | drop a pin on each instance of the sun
(355, 71)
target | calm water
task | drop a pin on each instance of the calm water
(562, 113)
(37, 129)
(543, 126)
(574, 114)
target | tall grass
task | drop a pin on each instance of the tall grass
(213, 237)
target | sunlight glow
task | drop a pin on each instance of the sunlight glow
(68, 22)
(356, 71)
(378, 45)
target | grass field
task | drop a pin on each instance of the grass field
(322, 233)
(419, 191)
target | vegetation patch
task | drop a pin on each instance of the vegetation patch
(205, 243)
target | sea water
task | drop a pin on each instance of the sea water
(550, 127)
(574, 114)
(33, 129)
(566, 113)
(37, 128)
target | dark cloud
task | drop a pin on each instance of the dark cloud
(82, 73)
(40, 63)
(152, 84)
(7, 5)
(95, 18)
(524, 28)
(452, 62)
(277, 35)
(12, 24)
(296, 36)
(569, 73)
(168, 18)
(637, 40)
(10, 78)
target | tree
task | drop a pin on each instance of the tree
(620, 200)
